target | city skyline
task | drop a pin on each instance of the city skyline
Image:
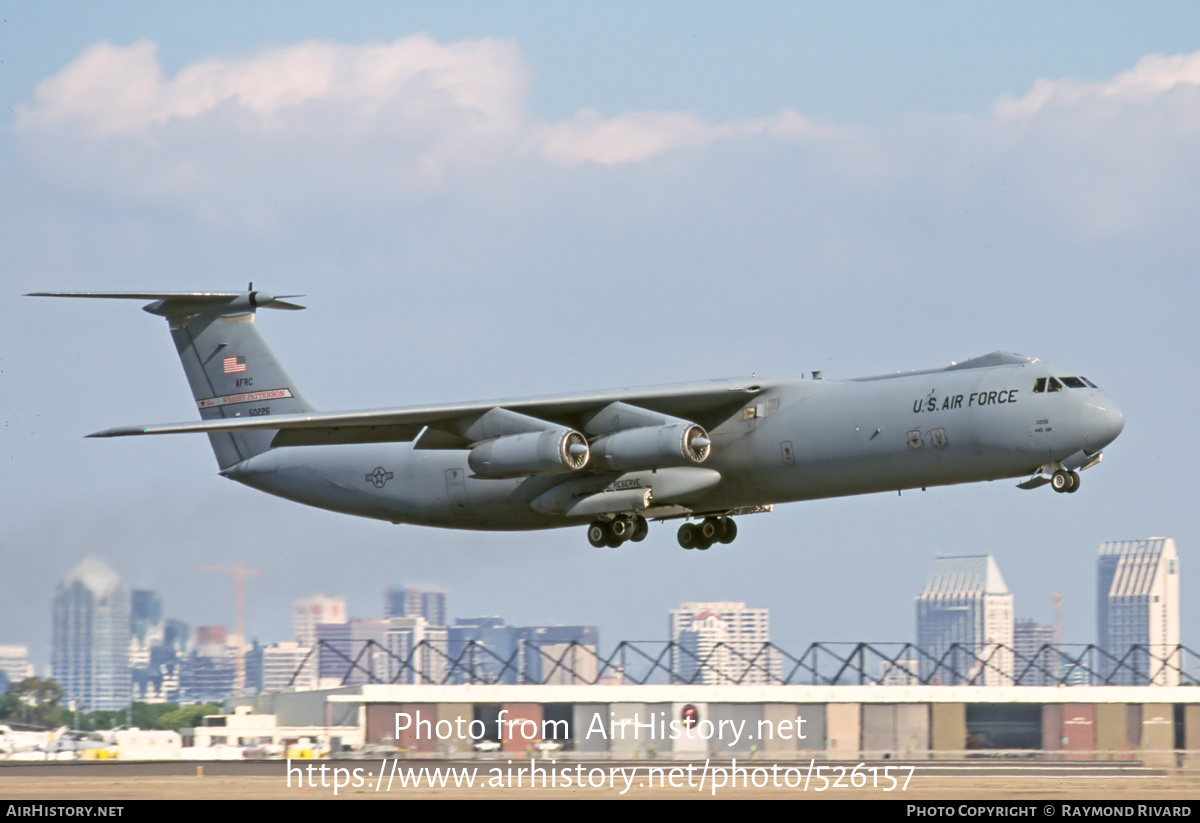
(335, 608)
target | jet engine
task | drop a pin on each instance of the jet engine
(652, 447)
(553, 451)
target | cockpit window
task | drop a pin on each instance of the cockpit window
(1044, 384)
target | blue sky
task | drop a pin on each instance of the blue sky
(494, 200)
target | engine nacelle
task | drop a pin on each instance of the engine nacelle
(554, 451)
(651, 447)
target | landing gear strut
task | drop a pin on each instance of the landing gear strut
(708, 531)
(613, 533)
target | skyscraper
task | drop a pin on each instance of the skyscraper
(965, 623)
(1036, 662)
(346, 659)
(1138, 611)
(427, 603)
(90, 656)
(561, 655)
(281, 666)
(14, 665)
(309, 613)
(418, 650)
(722, 642)
(487, 648)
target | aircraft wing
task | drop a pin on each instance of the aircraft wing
(707, 403)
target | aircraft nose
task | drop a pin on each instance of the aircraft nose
(1102, 421)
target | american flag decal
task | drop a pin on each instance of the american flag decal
(234, 365)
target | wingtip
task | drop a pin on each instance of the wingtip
(117, 432)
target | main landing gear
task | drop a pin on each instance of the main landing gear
(613, 533)
(1065, 481)
(708, 531)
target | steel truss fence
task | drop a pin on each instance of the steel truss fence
(821, 664)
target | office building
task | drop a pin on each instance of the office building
(309, 613)
(429, 604)
(14, 665)
(965, 623)
(722, 642)
(418, 651)
(278, 667)
(1138, 612)
(90, 650)
(485, 649)
(1035, 661)
(208, 674)
(561, 655)
(352, 652)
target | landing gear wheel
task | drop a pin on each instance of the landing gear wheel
(689, 535)
(1060, 481)
(728, 531)
(598, 534)
(710, 529)
(1074, 482)
(622, 528)
(640, 529)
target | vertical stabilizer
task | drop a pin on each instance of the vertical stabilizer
(231, 370)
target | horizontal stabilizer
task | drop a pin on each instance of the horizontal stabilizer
(185, 302)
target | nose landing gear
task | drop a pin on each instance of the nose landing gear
(1065, 481)
(708, 531)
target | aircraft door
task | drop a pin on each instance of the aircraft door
(456, 488)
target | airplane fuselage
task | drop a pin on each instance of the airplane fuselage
(619, 458)
(790, 441)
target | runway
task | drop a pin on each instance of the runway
(550, 779)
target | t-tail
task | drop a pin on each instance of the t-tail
(230, 368)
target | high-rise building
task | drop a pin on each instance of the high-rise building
(427, 603)
(486, 650)
(309, 613)
(281, 667)
(1035, 660)
(208, 674)
(418, 651)
(561, 655)
(90, 656)
(1138, 611)
(14, 665)
(146, 630)
(965, 623)
(722, 642)
(347, 658)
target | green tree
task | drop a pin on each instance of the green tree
(148, 715)
(187, 717)
(34, 702)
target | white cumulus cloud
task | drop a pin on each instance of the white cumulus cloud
(335, 119)
(317, 123)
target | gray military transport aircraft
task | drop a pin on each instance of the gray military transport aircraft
(702, 452)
